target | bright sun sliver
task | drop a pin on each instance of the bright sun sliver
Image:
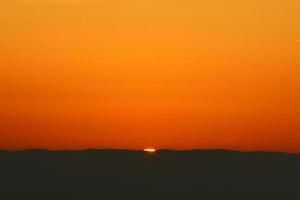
(150, 150)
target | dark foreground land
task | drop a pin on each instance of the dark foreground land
(109, 174)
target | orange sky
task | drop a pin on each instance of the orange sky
(131, 74)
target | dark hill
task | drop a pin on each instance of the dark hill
(116, 174)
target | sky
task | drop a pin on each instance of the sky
(77, 74)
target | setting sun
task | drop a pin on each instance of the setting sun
(150, 150)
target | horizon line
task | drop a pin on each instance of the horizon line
(157, 150)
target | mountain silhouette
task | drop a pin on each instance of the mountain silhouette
(123, 174)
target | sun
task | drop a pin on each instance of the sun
(150, 150)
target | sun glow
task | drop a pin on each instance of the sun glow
(150, 150)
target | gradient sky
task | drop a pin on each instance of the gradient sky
(78, 74)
